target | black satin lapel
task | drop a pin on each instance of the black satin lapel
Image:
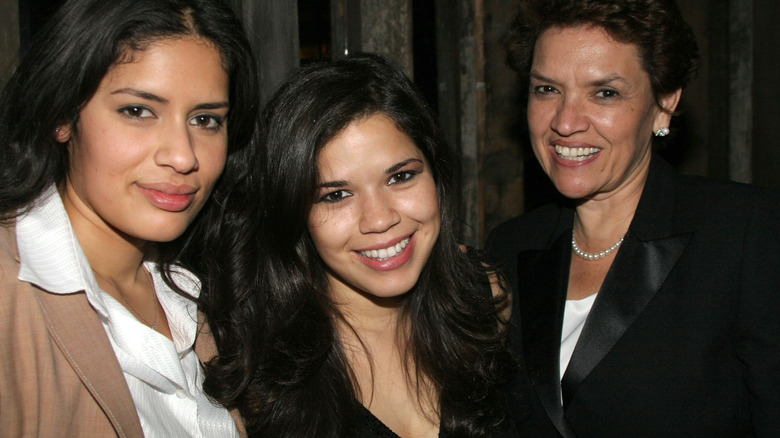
(542, 281)
(639, 270)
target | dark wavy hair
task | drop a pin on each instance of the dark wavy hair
(281, 362)
(665, 42)
(64, 68)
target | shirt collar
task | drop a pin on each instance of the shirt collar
(51, 258)
(49, 252)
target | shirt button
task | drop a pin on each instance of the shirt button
(180, 393)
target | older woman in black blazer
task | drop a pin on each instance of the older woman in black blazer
(648, 303)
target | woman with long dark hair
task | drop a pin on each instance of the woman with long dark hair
(365, 317)
(120, 133)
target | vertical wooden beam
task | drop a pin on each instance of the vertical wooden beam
(460, 53)
(741, 90)
(9, 38)
(472, 99)
(386, 27)
(448, 69)
(371, 26)
(502, 170)
(272, 28)
(766, 94)
(345, 26)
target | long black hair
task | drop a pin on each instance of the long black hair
(281, 362)
(64, 68)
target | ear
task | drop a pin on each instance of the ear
(668, 105)
(62, 133)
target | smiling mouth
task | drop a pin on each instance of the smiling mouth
(386, 253)
(576, 154)
(172, 202)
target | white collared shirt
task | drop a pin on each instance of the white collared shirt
(574, 315)
(165, 378)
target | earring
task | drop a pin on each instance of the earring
(663, 132)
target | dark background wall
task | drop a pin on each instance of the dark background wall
(766, 87)
(726, 126)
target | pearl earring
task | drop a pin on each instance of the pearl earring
(663, 132)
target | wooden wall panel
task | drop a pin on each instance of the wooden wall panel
(766, 94)
(9, 38)
(272, 28)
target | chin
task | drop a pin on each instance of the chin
(571, 190)
(390, 291)
(163, 233)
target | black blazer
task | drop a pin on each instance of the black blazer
(684, 336)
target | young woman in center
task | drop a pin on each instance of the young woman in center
(367, 318)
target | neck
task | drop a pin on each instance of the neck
(369, 316)
(114, 255)
(605, 219)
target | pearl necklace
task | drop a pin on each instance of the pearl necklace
(593, 256)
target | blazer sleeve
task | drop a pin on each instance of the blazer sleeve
(758, 330)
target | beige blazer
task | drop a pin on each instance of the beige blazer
(58, 372)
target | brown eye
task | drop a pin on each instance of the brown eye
(608, 93)
(402, 177)
(334, 197)
(136, 111)
(207, 121)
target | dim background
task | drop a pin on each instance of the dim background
(727, 127)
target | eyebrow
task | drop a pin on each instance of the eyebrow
(609, 79)
(397, 167)
(392, 169)
(332, 184)
(141, 94)
(155, 98)
(540, 78)
(596, 83)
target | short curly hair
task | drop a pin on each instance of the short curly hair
(665, 42)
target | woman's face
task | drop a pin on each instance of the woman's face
(151, 142)
(591, 112)
(376, 215)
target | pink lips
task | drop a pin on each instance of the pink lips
(393, 262)
(169, 197)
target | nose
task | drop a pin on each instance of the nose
(177, 150)
(570, 117)
(378, 213)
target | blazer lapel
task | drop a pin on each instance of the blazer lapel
(77, 330)
(646, 257)
(540, 274)
(639, 270)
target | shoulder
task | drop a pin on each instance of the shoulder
(531, 230)
(184, 279)
(8, 240)
(708, 199)
(503, 297)
(205, 346)
(724, 190)
(9, 256)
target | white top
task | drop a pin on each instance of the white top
(165, 377)
(574, 315)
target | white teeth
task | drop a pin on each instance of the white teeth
(577, 154)
(386, 253)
